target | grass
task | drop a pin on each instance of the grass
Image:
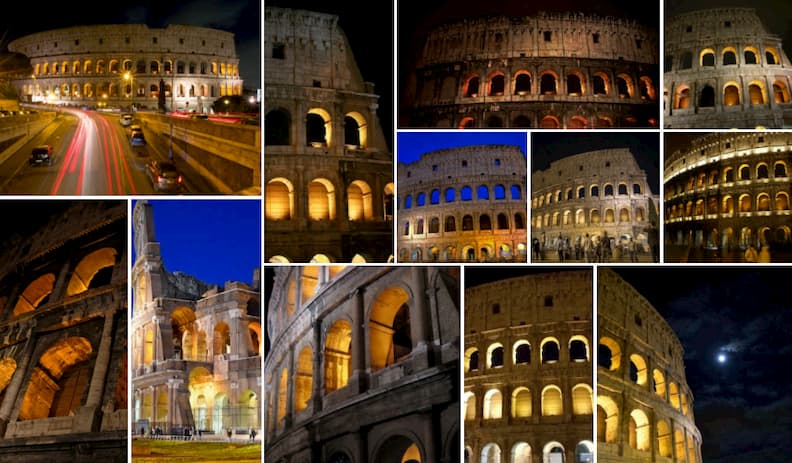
(165, 451)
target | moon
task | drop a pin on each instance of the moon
(721, 358)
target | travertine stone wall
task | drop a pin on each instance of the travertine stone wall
(328, 171)
(723, 69)
(548, 71)
(363, 364)
(528, 392)
(644, 405)
(86, 65)
(463, 204)
(728, 190)
(603, 193)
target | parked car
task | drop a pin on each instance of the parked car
(137, 139)
(164, 176)
(41, 155)
(126, 119)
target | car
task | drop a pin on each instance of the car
(41, 154)
(126, 119)
(164, 176)
(137, 139)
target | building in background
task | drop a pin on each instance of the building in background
(180, 67)
(644, 405)
(197, 348)
(328, 169)
(528, 393)
(363, 364)
(63, 331)
(724, 69)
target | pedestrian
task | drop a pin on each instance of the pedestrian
(560, 248)
(587, 248)
(537, 251)
(751, 255)
(252, 434)
(633, 250)
(228, 432)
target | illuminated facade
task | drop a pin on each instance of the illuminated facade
(726, 191)
(63, 337)
(601, 193)
(363, 365)
(328, 169)
(463, 204)
(723, 69)
(644, 405)
(547, 71)
(122, 65)
(197, 349)
(528, 393)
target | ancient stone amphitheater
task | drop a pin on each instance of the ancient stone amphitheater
(644, 406)
(726, 191)
(122, 65)
(328, 170)
(550, 70)
(364, 364)
(463, 204)
(601, 193)
(724, 69)
(528, 393)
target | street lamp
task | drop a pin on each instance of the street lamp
(128, 78)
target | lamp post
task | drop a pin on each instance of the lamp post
(130, 81)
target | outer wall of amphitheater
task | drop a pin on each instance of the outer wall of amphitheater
(644, 405)
(528, 394)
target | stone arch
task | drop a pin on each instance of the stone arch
(97, 265)
(553, 452)
(303, 378)
(707, 57)
(548, 82)
(750, 55)
(471, 86)
(355, 130)
(550, 122)
(639, 432)
(663, 438)
(521, 352)
(496, 84)
(337, 355)
(490, 453)
(550, 351)
(469, 405)
(279, 199)
(277, 127)
(321, 199)
(57, 383)
(582, 399)
(552, 401)
(521, 402)
(659, 383)
(579, 348)
(495, 355)
(36, 293)
(471, 359)
(522, 82)
(359, 201)
(625, 86)
(389, 328)
(731, 94)
(183, 330)
(576, 83)
(318, 127)
(607, 419)
(756, 92)
(638, 370)
(7, 368)
(493, 405)
(609, 354)
(600, 84)
(780, 92)
(682, 97)
(221, 339)
(520, 453)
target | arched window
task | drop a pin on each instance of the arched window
(707, 58)
(521, 406)
(686, 62)
(522, 353)
(609, 354)
(552, 403)
(550, 351)
(731, 95)
(547, 84)
(638, 433)
(472, 87)
(276, 128)
(578, 349)
(638, 372)
(450, 224)
(750, 57)
(450, 195)
(522, 83)
(434, 196)
(482, 192)
(493, 405)
(574, 86)
(707, 97)
(582, 400)
(729, 57)
(497, 85)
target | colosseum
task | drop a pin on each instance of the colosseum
(463, 204)
(328, 170)
(602, 194)
(549, 70)
(364, 364)
(726, 191)
(63, 332)
(644, 406)
(197, 349)
(528, 368)
(724, 69)
(129, 65)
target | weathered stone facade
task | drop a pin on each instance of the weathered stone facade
(122, 65)
(463, 204)
(726, 191)
(723, 69)
(197, 349)
(548, 71)
(602, 193)
(364, 364)
(528, 393)
(328, 170)
(644, 405)
(63, 336)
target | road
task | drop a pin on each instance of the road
(91, 156)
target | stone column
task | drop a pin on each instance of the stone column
(14, 387)
(289, 387)
(102, 362)
(318, 371)
(359, 379)
(420, 331)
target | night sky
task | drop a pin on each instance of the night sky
(742, 406)
(241, 17)
(552, 146)
(412, 145)
(213, 240)
(369, 29)
(478, 275)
